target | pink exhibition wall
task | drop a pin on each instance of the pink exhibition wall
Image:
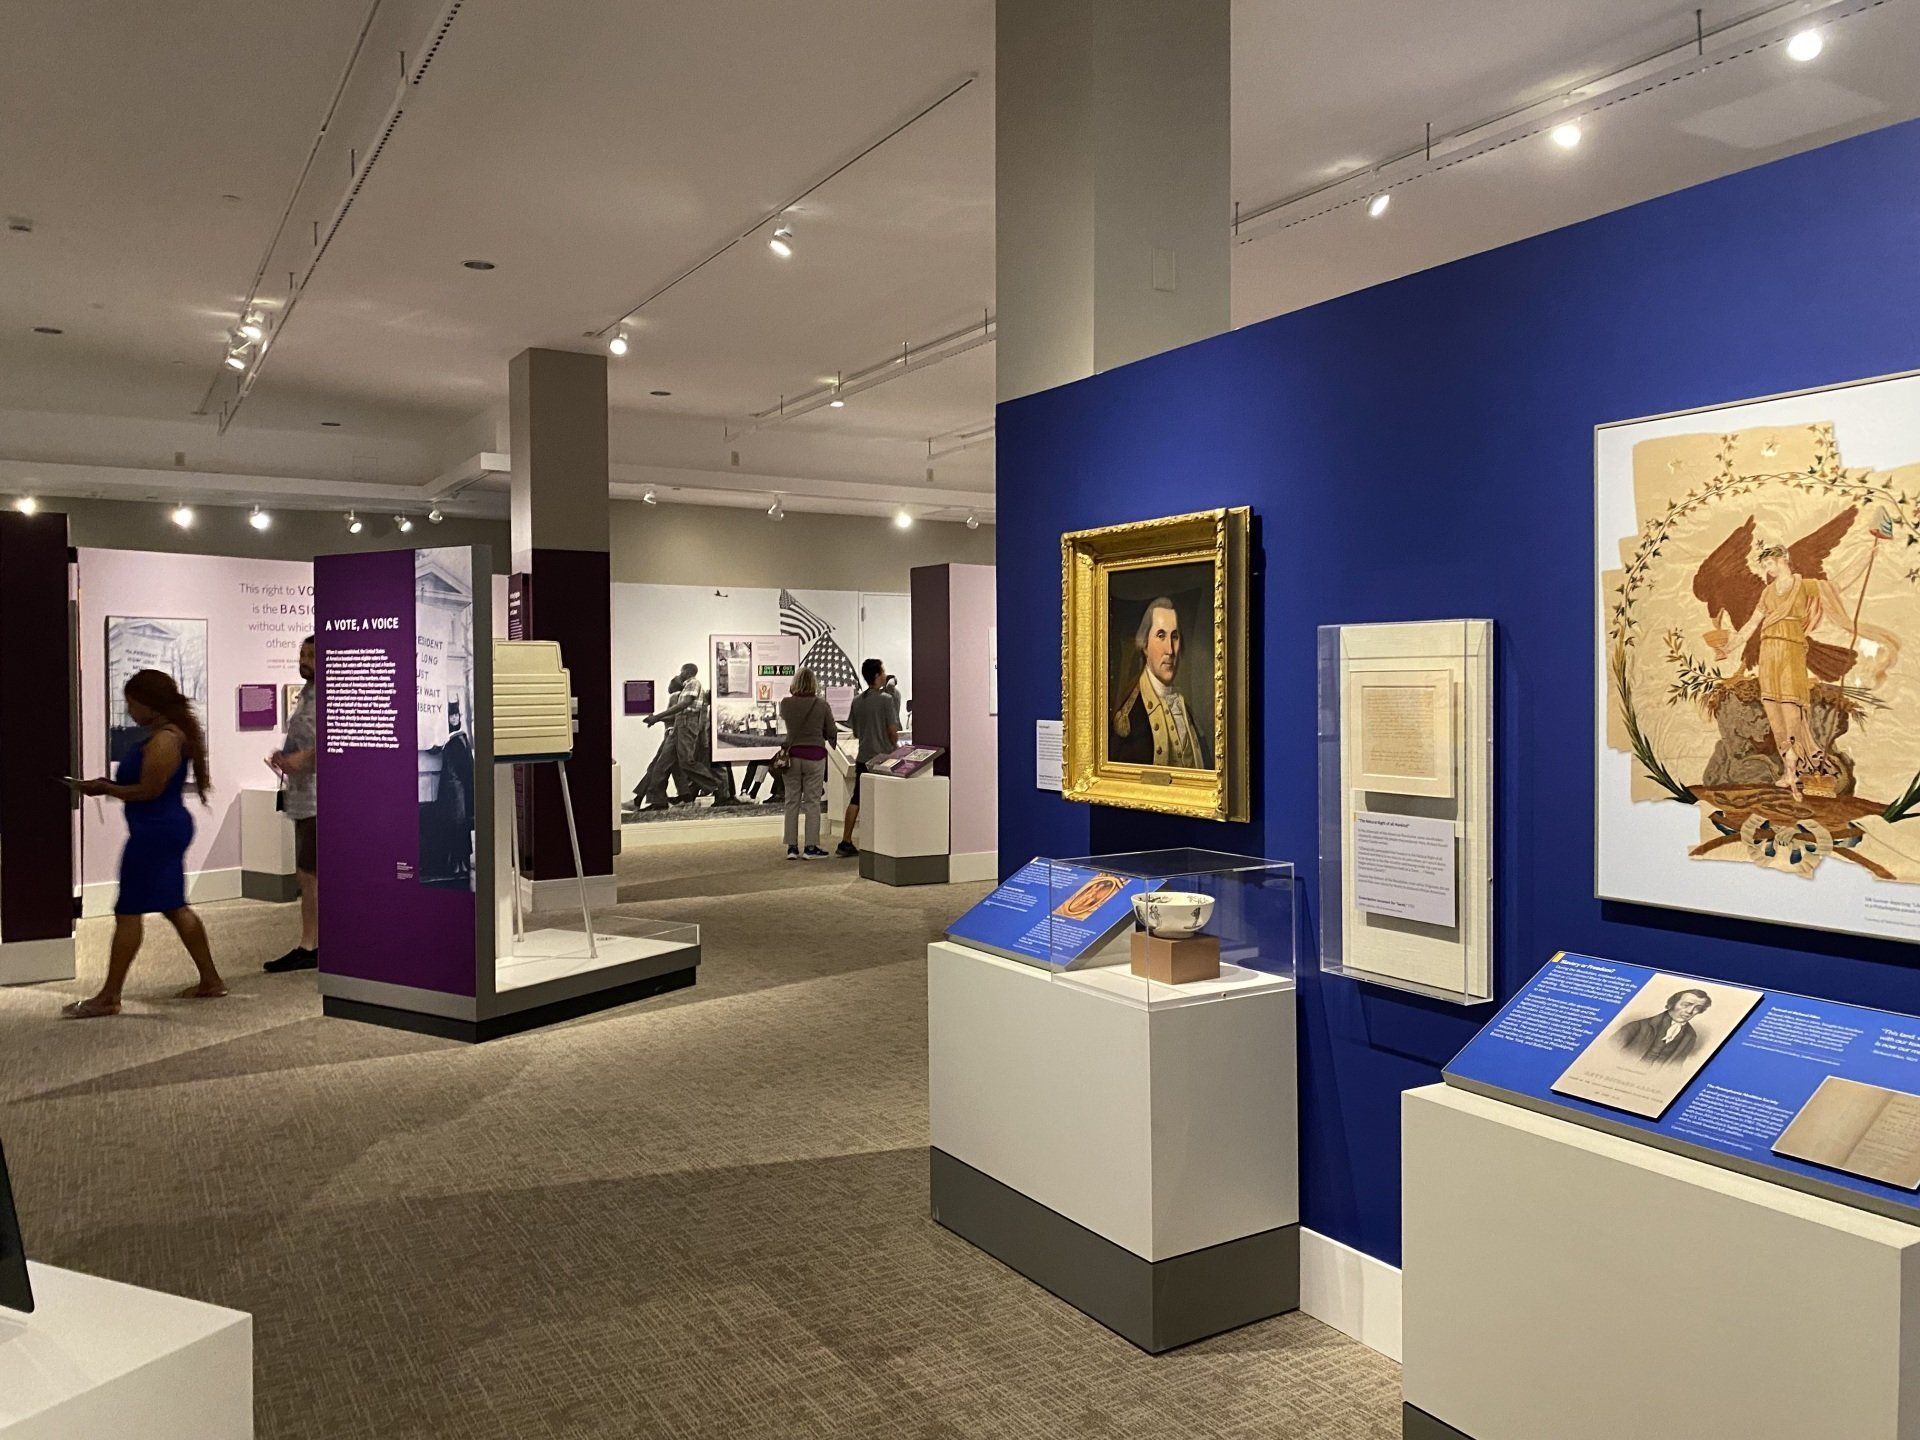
(256, 612)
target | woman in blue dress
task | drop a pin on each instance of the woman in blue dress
(153, 875)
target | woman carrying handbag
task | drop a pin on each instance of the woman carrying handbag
(802, 762)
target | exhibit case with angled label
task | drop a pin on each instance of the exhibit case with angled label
(1113, 1087)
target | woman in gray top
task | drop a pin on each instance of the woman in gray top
(808, 722)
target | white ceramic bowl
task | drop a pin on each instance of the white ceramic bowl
(1172, 914)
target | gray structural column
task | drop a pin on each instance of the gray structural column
(560, 590)
(1113, 145)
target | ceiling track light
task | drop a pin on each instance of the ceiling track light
(259, 519)
(1566, 136)
(354, 527)
(776, 511)
(26, 505)
(403, 524)
(781, 241)
(651, 497)
(836, 403)
(251, 329)
(1806, 45)
(618, 345)
(973, 521)
(1377, 206)
(236, 362)
(434, 517)
(902, 520)
(183, 516)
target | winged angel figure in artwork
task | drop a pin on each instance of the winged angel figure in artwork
(1769, 600)
(1755, 637)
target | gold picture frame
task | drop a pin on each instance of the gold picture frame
(1155, 719)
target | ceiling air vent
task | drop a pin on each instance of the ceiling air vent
(433, 45)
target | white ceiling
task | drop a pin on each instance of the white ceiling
(595, 149)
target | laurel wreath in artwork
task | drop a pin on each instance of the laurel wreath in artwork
(1781, 787)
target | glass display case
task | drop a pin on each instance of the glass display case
(1406, 806)
(1170, 927)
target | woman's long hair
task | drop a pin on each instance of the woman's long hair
(155, 690)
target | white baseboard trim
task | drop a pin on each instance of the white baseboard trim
(974, 865)
(32, 962)
(680, 832)
(1351, 1291)
(203, 887)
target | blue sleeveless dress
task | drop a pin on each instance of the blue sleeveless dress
(153, 867)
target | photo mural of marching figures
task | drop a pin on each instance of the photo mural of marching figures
(1759, 616)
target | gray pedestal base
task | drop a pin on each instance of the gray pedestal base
(1416, 1424)
(1156, 1304)
(903, 869)
(259, 885)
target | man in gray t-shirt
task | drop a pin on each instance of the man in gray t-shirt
(874, 719)
(293, 762)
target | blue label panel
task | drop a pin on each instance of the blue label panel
(1742, 1097)
(1049, 913)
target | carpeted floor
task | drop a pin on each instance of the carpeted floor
(703, 1215)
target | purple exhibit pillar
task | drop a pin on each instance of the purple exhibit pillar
(561, 592)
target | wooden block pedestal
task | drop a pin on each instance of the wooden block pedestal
(1175, 962)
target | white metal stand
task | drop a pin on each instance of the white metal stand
(579, 868)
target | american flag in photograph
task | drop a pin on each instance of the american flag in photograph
(819, 652)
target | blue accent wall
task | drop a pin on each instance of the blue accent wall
(1424, 450)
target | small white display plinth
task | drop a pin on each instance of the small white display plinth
(1563, 1282)
(904, 824)
(266, 846)
(98, 1358)
(1163, 1128)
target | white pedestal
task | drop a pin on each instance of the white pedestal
(1140, 1162)
(98, 1359)
(904, 828)
(1567, 1283)
(266, 847)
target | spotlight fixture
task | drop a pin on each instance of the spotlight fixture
(618, 345)
(902, 520)
(434, 517)
(651, 497)
(250, 330)
(183, 516)
(236, 362)
(26, 505)
(404, 524)
(836, 403)
(1377, 206)
(776, 511)
(354, 527)
(973, 521)
(1805, 46)
(1566, 136)
(781, 241)
(259, 519)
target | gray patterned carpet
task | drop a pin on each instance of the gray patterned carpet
(697, 1216)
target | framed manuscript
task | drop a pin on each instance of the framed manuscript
(1406, 810)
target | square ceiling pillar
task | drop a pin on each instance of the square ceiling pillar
(1114, 216)
(561, 590)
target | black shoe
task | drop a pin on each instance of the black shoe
(846, 851)
(814, 852)
(792, 854)
(294, 959)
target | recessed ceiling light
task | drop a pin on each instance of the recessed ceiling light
(48, 330)
(1377, 206)
(183, 516)
(661, 393)
(781, 241)
(331, 424)
(1566, 136)
(1805, 46)
(478, 264)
